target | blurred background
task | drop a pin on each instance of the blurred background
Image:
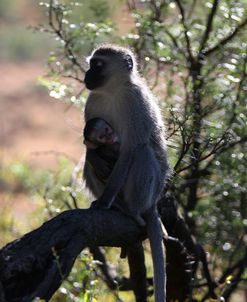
(34, 128)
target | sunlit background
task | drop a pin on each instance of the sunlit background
(35, 131)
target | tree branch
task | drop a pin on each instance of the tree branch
(44, 257)
(187, 39)
(59, 32)
(236, 271)
(209, 25)
(225, 148)
(225, 40)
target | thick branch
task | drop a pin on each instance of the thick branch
(44, 257)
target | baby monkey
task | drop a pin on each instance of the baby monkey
(102, 147)
(98, 133)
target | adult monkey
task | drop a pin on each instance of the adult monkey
(120, 97)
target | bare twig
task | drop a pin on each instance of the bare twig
(217, 146)
(60, 33)
(191, 10)
(225, 40)
(183, 21)
(173, 39)
(209, 25)
(225, 148)
(239, 89)
(236, 271)
(210, 282)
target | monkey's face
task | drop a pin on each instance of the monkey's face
(107, 64)
(97, 133)
(105, 135)
(94, 77)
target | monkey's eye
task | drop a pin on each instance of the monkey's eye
(101, 138)
(99, 63)
(96, 64)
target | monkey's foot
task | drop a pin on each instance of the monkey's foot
(124, 252)
(140, 221)
(98, 204)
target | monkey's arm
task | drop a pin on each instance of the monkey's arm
(99, 165)
(117, 178)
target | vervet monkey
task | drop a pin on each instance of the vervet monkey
(121, 98)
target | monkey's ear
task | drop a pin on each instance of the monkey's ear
(129, 62)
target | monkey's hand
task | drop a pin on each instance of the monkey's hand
(99, 165)
(98, 204)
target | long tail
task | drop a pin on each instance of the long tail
(155, 235)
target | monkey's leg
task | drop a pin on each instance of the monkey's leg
(138, 272)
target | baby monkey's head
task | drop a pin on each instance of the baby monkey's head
(98, 132)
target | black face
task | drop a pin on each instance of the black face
(99, 132)
(92, 125)
(94, 76)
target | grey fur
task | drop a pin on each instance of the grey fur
(125, 102)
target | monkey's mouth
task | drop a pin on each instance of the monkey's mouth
(111, 139)
(90, 145)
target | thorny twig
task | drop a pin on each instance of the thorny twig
(225, 40)
(209, 25)
(183, 21)
(61, 34)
